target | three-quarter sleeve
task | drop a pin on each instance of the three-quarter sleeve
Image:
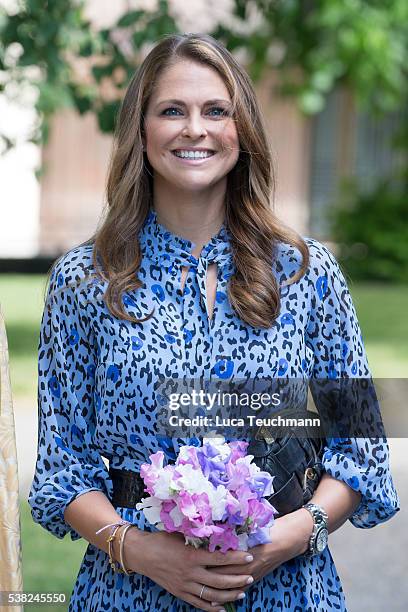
(334, 335)
(68, 462)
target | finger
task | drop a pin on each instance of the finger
(201, 604)
(232, 557)
(223, 581)
(223, 596)
(231, 570)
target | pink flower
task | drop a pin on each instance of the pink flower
(188, 454)
(260, 513)
(204, 531)
(225, 540)
(150, 472)
(195, 507)
(244, 494)
(238, 474)
(166, 519)
(238, 449)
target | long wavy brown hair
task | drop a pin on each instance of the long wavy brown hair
(253, 290)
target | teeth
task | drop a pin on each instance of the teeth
(193, 154)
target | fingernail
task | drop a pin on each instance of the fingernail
(249, 558)
(241, 596)
(250, 580)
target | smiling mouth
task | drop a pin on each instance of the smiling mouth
(193, 155)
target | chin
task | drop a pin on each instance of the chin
(192, 185)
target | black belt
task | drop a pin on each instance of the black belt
(128, 488)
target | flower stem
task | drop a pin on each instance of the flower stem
(229, 607)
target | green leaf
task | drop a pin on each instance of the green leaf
(100, 72)
(130, 19)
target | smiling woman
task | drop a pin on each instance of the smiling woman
(188, 95)
(196, 129)
(191, 276)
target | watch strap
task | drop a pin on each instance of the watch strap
(320, 520)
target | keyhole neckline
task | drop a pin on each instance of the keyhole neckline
(168, 249)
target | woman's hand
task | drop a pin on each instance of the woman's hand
(290, 536)
(181, 569)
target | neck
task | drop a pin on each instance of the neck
(196, 216)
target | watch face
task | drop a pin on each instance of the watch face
(321, 539)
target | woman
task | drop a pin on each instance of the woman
(186, 278)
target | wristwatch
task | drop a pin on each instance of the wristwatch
(319, 538)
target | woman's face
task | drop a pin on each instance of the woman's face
(189, 111)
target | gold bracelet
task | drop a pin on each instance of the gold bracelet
(122, 539)
(112, 562)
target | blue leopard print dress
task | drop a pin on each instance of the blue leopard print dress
(97, 379)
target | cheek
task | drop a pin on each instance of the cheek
(229, 139)
(158, 134)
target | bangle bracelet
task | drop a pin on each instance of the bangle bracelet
(122, 540)
(116, 568)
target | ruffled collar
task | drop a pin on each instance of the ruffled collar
(169, 250)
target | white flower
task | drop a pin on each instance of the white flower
(151, 507)
(220, 445)
(218, 500)
(192, 480)
(164, 487)
(243, 541)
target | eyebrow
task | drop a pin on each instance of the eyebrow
(181, 103)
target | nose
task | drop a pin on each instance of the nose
(194, 126)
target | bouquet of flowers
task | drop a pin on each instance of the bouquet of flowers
(213, 494)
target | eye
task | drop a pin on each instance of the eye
(170, 108)
(222, 112)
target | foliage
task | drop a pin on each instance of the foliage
(36, 43)
(51, 47)
(363, 43)
(372, 233)
(22, 302)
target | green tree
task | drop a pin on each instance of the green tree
(313, 45)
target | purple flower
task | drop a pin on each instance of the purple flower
(243, 494)
(261, 483)
(212, 464)
(260, 536)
